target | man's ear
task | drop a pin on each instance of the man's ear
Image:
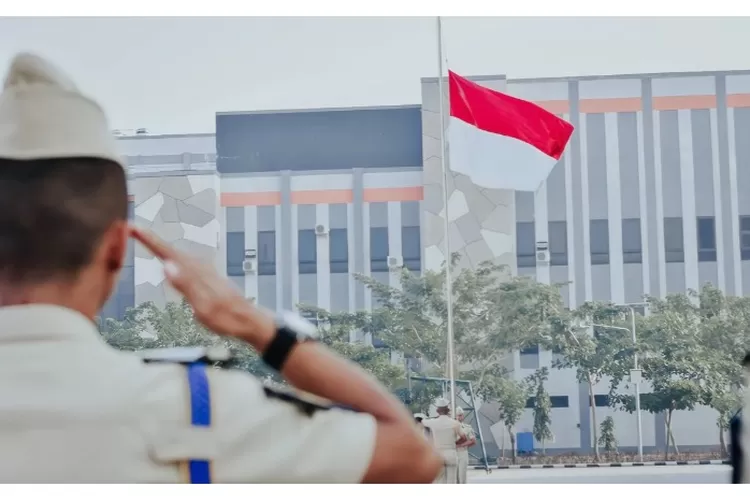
(116, 246)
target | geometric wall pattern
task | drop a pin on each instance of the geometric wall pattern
(182, 209)
(482, 221)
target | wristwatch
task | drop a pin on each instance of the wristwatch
(291, 329)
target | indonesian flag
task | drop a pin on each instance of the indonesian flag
(501, 141)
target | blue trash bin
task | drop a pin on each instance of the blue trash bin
(525, 443)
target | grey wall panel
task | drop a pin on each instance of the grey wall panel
(675, 277)
(600, 283)
(627, 131)
(308, 289)
(670, 164)
(708, 273)
(633, 282)
(339, 292)
(267, 292)
(306, 217)
(556, 193)
(597, 166)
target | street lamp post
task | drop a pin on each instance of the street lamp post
(635, 375)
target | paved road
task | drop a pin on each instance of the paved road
(680, 474)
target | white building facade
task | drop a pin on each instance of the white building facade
(654, 187)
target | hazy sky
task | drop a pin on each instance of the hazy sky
(173, 74)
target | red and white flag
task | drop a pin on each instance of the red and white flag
(501, 141)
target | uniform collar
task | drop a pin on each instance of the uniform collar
(44, 322)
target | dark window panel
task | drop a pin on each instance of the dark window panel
(599, 241)
(339, 250)
(559, 401)
(745, 237)
(631, 241)
(319, 140)
(235, 253)
(525, 244)
(266, 253)
(600, 400)
(534, 349)
(307, 248)
(706, 239)
(411, 248)
(674, 246)
(378, 249)
(556, 402)
(558, 243)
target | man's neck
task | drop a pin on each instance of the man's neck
(65, 295)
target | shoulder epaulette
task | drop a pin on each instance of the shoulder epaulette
(186, 355)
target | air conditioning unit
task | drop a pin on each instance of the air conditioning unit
(542, 256)
(321, 230)
(542, 252)
(395, 262)
(248, 267)
(250, 254)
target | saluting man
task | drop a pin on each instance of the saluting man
(75, 410)
(463, 448)
(447, 433)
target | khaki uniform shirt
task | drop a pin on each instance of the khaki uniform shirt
(469, 433)
(445, 432)
(74, 410)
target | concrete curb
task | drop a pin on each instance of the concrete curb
(613, 464)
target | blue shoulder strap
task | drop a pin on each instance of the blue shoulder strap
(200, 415)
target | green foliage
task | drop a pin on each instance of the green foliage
(493, 314)
(542, 407)
(608, 352)
(607, 438)
(149, 327)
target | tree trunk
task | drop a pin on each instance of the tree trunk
(512, 445)
(669, 434)
(592, 403)
(674, 443)
(723, 443)
(544, 447)
(502, 448)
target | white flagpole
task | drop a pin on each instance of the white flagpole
(446, 220)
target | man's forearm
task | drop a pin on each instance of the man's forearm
(341, 382)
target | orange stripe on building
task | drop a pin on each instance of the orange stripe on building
(250, 199)
(673, 103)
(322, 196)
(611, 105)
(634, 104)
(325, 196)
(373, 195)
(556, 107)
(738, 101)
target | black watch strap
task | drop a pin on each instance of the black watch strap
(278, 350)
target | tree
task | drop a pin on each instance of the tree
(334, 331)
(511, 396)
(608, 352)
(542, 407)
(150, 327)
(607, 438)
(672, 360)
(724, 340)
(493, 315)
